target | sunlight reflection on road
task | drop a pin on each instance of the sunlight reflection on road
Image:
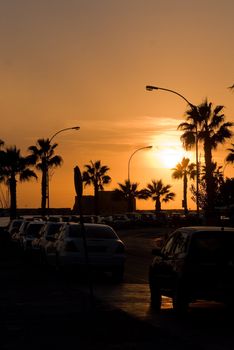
(131, 298)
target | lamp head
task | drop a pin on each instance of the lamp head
(150, 87)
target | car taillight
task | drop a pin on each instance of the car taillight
(71, 247)
(120, 249)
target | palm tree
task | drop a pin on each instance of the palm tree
(230, 156)
(15, 165)
(95, 174)
(43, 155)
(128, 191)
(159, 193)
(184, 170)
(208, 124)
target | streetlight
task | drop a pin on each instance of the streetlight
(58, 132)
(151, 88)
(47, 172)
(139, 149)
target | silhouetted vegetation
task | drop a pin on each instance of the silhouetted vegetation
(14, 167)
(230, 156)
(184, 170)
(208, 125)
(158, 193)
(96, 175)
(43, 156)
(129, 191)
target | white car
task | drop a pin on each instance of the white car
(30, 233)
(105, 250)
(43, 245)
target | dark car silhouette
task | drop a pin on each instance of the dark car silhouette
(194, 263)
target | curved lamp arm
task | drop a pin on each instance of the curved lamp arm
(139, 149)
(151, 87)
(58, 132)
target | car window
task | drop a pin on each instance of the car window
(53, 229)
(209, 247)
(166, 249)
(97, 231)
(180, 244)
(33, 230)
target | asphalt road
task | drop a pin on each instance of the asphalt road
(39, 307)
(207, 325)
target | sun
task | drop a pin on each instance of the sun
(170, 156)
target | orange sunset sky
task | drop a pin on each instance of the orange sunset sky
(86, 62)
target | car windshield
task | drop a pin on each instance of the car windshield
(92, 232)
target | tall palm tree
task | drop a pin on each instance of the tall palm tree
(159, 193)
(14, 166)
(184, 170)
(43, 154)
(128, 191)
(96, 175)
(3, 199)
(230, 156)
(212, 130)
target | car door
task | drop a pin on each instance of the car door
(207, 264)
(164, 265)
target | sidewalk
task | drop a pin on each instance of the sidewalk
(43, 311)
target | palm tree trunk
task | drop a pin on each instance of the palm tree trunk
(96, 200)
(43, 191)
(185, 193)
(12, 186)
(209, 179)
(158, 204)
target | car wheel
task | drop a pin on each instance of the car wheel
(118, 274)
(155, 294)
(180, 300)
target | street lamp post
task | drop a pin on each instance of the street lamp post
(139, 149)
(47, 170)
(151, 88)
(130, 205)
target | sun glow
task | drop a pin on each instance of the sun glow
(168, 156)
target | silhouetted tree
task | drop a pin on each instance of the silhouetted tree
(212, 131)
(218, 182)
(184, 170)
(230, 156)
(45, 159)
(14, 166)
(158, 193)
(96, 175)
(128, 191)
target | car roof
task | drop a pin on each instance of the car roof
(196, 229)
(86, 224)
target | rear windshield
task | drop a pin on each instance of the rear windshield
(212, 246)
(93, 232)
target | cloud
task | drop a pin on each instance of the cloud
(123, 134)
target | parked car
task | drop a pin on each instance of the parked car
(44, 241)
(31, 232)
(120, 221)
(14, 226)
(194, 263)
(105, 249)
(17, 237)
